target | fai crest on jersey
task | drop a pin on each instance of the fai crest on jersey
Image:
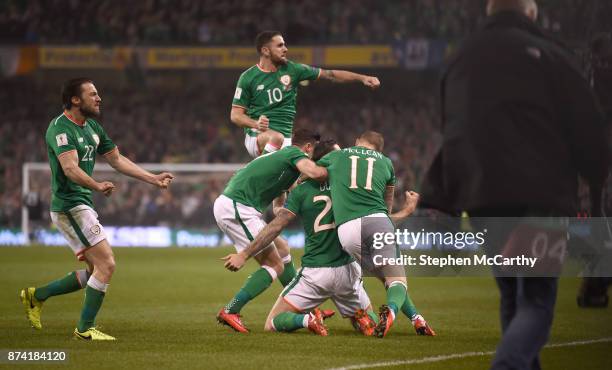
(286, 80)
(96, 139)
(61, 139)
(95, 229)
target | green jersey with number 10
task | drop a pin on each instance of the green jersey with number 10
(312, 201)
(273, 94)
(358, 177)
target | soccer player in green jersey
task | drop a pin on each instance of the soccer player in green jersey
(73, 140)
(238, 212)
(362, 183)
(264, 102)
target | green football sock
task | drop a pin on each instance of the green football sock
(91, 306)
(408, 308)
(256, 283)
(288, 274)
(288, 321)
(67, 284)
(373, 316)
(396, 296)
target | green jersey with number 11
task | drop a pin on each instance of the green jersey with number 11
(358, 177)
(273, 94)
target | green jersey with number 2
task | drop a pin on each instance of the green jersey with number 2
(312, 201)
(273, 94)
(358, 177)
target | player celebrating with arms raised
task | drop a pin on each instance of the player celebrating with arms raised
(73, 139)
(264, 102)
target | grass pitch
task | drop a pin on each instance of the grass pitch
(161, 306)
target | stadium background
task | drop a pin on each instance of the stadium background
(166, 71)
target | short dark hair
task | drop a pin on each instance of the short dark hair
(303, 136)
(322, 148)
(73, 87)
(374, 138)
(264, 37)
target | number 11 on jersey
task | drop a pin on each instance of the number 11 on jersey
(368, 184)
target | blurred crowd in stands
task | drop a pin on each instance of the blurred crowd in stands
(185, 119)
(211, 22)
(191, 125)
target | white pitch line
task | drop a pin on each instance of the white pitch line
(461, 355)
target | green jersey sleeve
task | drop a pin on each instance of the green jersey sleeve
(60, 140)
(105, 144)
(306, 72)
(294, 200)
(295, 156)
(242, 95)
(392, 180)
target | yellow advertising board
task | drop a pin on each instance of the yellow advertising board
(213, 57)
(359, 56)
(84, 57)
(209, 57)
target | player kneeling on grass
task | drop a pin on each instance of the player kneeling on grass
(238, 212)
(362, 183)
(73, 139)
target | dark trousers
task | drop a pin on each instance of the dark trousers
(526, 311)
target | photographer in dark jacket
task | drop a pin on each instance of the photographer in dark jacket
(520, 124)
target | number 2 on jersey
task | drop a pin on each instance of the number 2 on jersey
(368, 184)
(328, 204)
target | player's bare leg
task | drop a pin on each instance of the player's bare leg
(101, 257)
(289, 272)
(271, 267)
(283, 317)
(269, 141)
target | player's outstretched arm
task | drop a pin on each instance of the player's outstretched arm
(311, 170)
(70, 165)
(410, 204)
(235, 261)
(129, 168)
(335, 75)
(239, 117)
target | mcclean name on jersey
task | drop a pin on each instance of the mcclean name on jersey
(364, 151)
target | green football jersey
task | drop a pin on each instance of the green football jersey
(265, 178)
(63, 135)
(272, 94)
(312, 201)
(358, 177)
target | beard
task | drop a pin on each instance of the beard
(278, 61)
(89, 112)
